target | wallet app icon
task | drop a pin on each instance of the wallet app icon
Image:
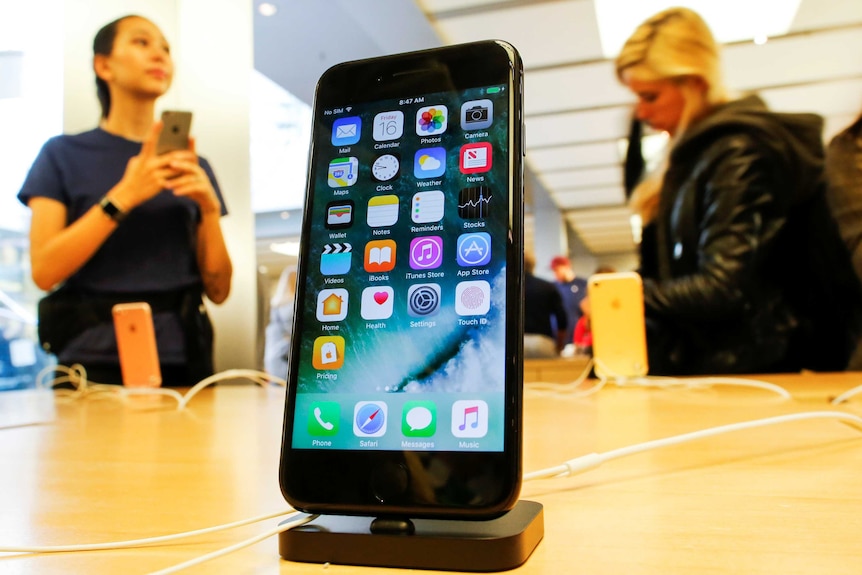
(346, 131)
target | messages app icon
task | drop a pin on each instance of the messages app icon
(346, 131)
(419, 419)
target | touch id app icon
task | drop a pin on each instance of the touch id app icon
(470, 418)
(328, 352)
(369, 419)
(332, 304)
(323, 418)
(473, 298)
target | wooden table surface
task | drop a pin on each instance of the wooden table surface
(780, 500)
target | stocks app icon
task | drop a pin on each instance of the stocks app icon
(423, 300)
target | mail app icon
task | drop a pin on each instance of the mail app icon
(346, 131)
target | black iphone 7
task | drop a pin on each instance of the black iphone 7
(404, 386)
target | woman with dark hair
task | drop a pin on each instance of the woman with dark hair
(114, 222)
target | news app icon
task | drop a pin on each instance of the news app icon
(328, 352)
(476, 158)
(339, 214)
(477, 114)
(470, 418)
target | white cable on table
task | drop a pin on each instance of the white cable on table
(847, 395)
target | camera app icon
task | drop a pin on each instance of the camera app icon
(477, 114)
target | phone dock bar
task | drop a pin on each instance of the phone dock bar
(496, 544)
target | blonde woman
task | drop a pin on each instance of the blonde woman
(738, 213)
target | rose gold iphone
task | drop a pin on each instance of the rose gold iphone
(136, 343)
(617, 323)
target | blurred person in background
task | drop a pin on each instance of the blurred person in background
(572, 290)
(544, 315)
(750, 274)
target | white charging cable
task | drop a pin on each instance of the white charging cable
(593, 460)
(847, 395)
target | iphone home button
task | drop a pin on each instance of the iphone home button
(389, 481)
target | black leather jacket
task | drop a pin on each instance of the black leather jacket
(743, 189)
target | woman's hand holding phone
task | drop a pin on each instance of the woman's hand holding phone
(193, 181)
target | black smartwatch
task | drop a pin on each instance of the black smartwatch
(111, 209)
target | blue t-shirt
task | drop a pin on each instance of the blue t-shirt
(572, 293)
(154, 249)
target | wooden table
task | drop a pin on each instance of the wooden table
(780, 500)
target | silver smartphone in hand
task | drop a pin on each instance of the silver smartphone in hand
(175, 131)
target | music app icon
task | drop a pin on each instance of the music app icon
(426, 252)
(470, 418)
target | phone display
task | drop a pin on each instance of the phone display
(175, 131)
(404, 388)
(617, 324)
(136, 344)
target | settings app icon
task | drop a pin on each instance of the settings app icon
(423, 300)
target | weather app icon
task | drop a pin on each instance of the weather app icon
(429, 163)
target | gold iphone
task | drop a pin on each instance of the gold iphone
(617, 323)
(175, 131)
(136, 344)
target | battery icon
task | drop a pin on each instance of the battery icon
(493, 90)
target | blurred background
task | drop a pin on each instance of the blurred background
(248, 69)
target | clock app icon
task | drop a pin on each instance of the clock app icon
(385, 167)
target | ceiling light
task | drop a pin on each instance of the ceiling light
(267, 9)
(285, 248)
(617, 19)
(761, 39)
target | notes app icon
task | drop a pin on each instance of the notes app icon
(382, 211)
(470, 418)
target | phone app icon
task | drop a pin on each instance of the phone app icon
(419, 419)
(335, 259)
(328, 352)
(473, 298)
(469, 418)
(323, 418)
(343, 172)
(339, 214)
(473, 249)
(423, 300)
(388, 126)
(477, 114)
(474, 203)
(429, 163)
(382, 211)
(369, 419)
(432, 120)
(377, 302)
(427, 207)
(476, 158)
(386, 167)
(380, 256)
(346, 131)
(426, 252)
(332, 304)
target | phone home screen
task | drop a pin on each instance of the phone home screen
(403, 340)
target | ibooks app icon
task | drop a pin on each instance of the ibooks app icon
(328, 352)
